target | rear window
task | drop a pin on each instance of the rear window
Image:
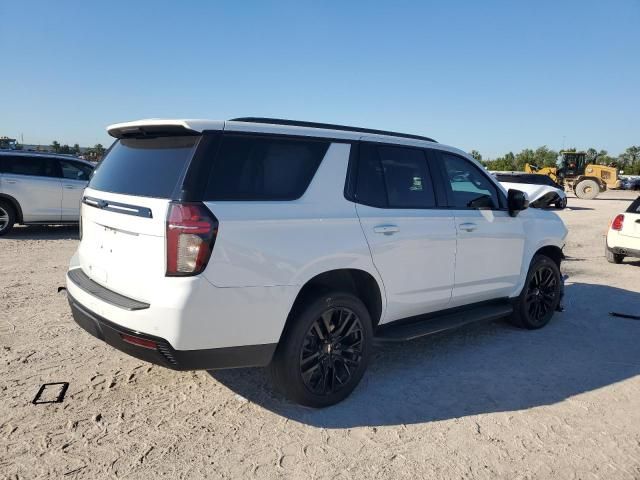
(635, 206)
(148, 167)
(263, 168)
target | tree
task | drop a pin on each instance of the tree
(65, 149)
(476, 154)
(75, 149)
(99, 150)
(55, 146)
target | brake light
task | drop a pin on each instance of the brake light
(617, 222)
(191, 233)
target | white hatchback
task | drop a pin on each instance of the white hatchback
(623, 237)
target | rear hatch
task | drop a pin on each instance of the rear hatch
(631, 224)
(124, 211)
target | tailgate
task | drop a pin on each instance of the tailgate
(124, 211)
(122, 245)
(631, 225)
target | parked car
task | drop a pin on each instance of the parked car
(630, 183)
(623, 237)
(255, 242)
(541, 190)
(40, 188)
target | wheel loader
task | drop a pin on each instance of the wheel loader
(573, 172)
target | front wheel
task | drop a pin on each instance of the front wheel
(540, 295)
(587, 189)
(325, 350)
(561, 204)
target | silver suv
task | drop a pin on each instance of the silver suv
(40, 188)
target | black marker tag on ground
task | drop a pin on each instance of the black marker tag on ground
(51, 393)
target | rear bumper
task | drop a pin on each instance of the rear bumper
(627, 252)
(164, 354)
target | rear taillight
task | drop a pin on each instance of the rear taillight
(617, 222)
(191, 233)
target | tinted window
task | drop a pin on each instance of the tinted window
(75, 170)
(394, 177)
(406, 177)
(635, 206)
(469, 187)
(148, 167)
(370, 186)
(508, 178)
(263, 168)
(32, 166)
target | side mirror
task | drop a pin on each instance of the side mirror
(516, 201)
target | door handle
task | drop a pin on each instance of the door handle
(69, 187)
(11, 181)
(386, 229)
(468, 227)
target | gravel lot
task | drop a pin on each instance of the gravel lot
(482, 402)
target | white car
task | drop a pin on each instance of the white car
(254, 242)
(540, 189)
(623, 237)
(40, 188)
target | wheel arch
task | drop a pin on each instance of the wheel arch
(356, 281)
(553, 252)
(14, 203)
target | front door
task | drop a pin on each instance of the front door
(490, 243)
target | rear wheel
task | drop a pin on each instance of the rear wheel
(587, 189)
(7, 217)
(325, 350)
(540, 295)
(613, 257)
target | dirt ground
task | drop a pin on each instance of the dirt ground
(489, 401)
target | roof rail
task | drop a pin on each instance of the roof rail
(330, 126)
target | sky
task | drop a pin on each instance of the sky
(495, 76)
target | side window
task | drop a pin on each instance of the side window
(74, 170)
(406, 177)
(394, 177)
(30, 166)
(370, 186)
(263, 168)
(469, 187)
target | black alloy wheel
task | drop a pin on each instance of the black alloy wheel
(331, 351)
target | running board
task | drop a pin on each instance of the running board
(440, 323)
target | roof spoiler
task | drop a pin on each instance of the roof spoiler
(149, 131)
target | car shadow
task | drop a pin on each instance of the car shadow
(484, 368)
(571, 207)
(44, 232)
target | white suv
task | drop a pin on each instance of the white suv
(40, 188)
(254, 242)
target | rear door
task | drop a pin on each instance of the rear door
(124, 212)
(490, 243)
(75, 176)
(33, 181)
(412, 241)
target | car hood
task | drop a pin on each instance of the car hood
(539, 196)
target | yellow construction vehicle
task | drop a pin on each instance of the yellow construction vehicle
(586, 180)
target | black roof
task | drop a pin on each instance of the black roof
(329, 126)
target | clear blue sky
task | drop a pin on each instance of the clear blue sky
(490, 75)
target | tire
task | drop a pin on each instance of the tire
(540, 295)
(587, 189)
(7, 217)
(613, 257)
(331, 371)
(561, 204)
